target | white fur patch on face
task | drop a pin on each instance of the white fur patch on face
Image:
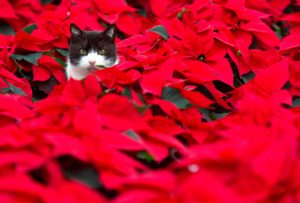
(75, 72)
(94, 59)
(91, 60)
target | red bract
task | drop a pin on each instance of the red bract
(110, 12)
(265, 36)
(26, 41)
(12, 84)
(154, 186)
(203, 106)
(275, 8)
(19, 13)
(9, 11)
(113, 77)
(132, 23)
(12, 108)
(269, 81)
(47, 67)
(168, 7)
(290, 42)
(154, 80)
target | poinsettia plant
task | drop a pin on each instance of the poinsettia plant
(203, 106)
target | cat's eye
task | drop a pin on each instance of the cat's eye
(101, 52)
(83, 52)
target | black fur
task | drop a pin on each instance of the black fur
(88, 40)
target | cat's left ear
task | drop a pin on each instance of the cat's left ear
(110, 31)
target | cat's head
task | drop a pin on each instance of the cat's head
(89, 49)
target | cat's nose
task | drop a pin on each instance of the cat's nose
(92, 62)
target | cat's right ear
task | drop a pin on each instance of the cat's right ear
(75, 31)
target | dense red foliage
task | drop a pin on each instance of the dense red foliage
(204, 106)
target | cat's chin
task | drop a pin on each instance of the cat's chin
(100, 67)
(94, 68)
(80, 72)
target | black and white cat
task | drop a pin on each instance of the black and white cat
(90, 49)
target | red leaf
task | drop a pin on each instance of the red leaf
(92, 86)
(23, 160)
(110, 12)
(198, 43)
(71, 96)
(168, 107)
(200, 72)
(7, 11)
(222, 70)
(263, 33)
(129, 23)
(64, 144)
(76, 193)
(207, 185)
(290, 42)
(29, 42)
(272, 79)
(10, 106)
(155, 80)
(40, 73)
(197, 99)
(112, 76)
(136, 39)
(13, 187)
(165, 126)
(152, 185)
(116, 109)
(53, 66)
(276, 160)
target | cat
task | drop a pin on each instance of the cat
(90, 49)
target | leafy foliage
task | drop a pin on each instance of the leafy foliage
(161, 30)
(31, 58)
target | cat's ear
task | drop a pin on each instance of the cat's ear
(110, 31)
(75, 31)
